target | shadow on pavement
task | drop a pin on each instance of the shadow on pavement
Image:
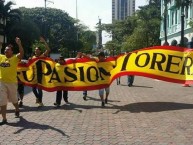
(136, 86)
(24, 124)
(32, 108)
(98, 99)
(153, 107)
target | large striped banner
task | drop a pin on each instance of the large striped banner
(167, 63)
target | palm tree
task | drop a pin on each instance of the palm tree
(8, 16)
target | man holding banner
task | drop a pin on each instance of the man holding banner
(38, 54)
(101, 58)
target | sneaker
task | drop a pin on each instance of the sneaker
(84, 97)
(103, 104)
(57, 105)
(16, 114)
(40, 104)
(3, 122)
(37, 101)
(66, 100)
(20, 104)
(106, 100)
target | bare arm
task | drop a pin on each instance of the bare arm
(21, 51)
(47, 51)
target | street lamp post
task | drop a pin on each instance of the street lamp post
(76, 10)
(44, 32)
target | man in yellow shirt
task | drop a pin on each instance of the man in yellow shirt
(8, 79)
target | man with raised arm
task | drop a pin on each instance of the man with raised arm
(8, 78)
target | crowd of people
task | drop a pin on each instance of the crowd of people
(11, 86)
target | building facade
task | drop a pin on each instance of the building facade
(122, 8)
(174, 24)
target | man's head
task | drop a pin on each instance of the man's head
(61, 59)
(101, 56)
(9, 51)
(38, 51)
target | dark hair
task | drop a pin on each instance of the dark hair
(10, 46)
(61, 57)
(101, 54)
(38, 48)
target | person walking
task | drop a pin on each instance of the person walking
(8, 78)
(20, 91)
(101, 58)
(21, 86)
(80, 55)
(61, 93)
(84, 95)
(38, 54)
(130, 80)
(118, 80)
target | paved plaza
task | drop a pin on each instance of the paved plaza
(152, 112)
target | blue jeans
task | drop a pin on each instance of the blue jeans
(84, 93)
(130, 80)
(38, 93)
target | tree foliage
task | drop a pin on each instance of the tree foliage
(27, 31)
(9, 17)
(137, 31)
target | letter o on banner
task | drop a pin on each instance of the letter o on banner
(142, 58)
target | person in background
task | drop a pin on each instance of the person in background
(84, 95)
(61, 93)
(130, 80)
(38, 54)
(8, 79)
(20, 88)
(118, 80)
(20, 91)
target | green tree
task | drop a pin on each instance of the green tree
(88, 39)
(147, 30)
(191, 24)
(9, 17)
(60, 28)
(28, 31)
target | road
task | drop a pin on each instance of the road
(152, 112)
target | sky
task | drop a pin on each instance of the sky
(88, 11)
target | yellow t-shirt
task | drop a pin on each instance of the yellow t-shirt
(8, 68)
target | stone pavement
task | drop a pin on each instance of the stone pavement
(151, 112)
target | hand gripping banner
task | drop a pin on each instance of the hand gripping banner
(167, 63)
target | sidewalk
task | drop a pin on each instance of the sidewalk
(151, 112)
